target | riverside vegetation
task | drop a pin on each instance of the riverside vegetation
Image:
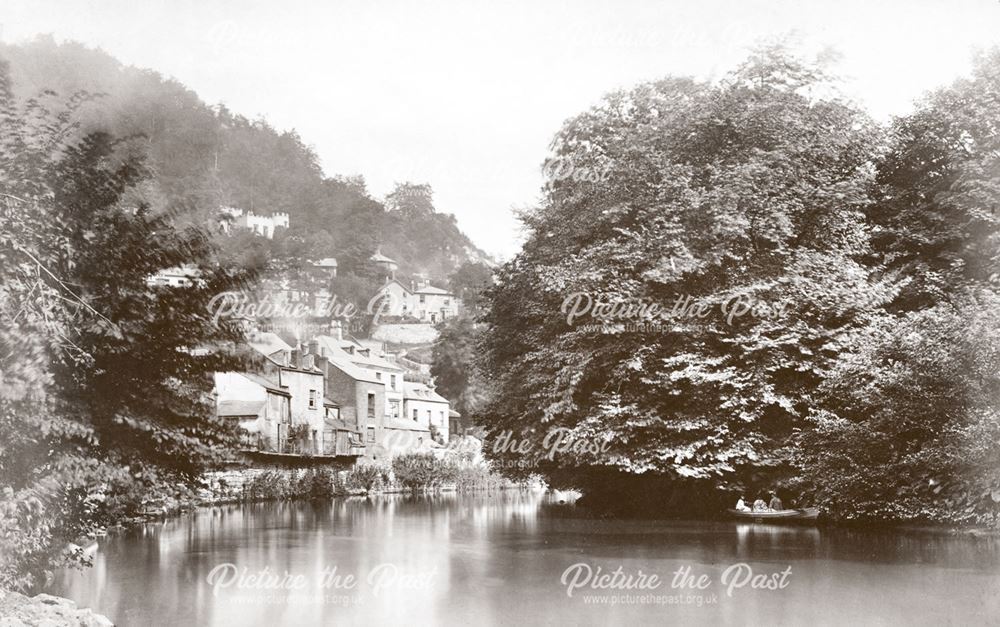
(871, 388)
(873, 394)
(109, 175)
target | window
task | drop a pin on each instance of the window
(371, 434)
(423, 299)
(392, 381)
(378, 376)
(430, 420)
(371, 406)
(312, 399)
(394, 410)
(447, 302)
(414, 415)
(441, 418)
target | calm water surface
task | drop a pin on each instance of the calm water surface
(501, 559)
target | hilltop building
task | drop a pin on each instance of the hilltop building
(264, 225)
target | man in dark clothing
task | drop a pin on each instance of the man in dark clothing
(775, 502)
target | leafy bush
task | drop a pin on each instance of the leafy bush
(422, 470)
(469, 478)
(268, 485)
(367, 477)
(317, 484)
(313, 484)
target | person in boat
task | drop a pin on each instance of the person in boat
(759, 505)
(741, 505)
(776, 502)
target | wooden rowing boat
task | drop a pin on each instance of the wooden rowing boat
(805, 514)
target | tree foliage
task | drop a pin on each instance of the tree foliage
(205, 157)
(765, 188)
(454, 367)
(105, 380)
(910, 423)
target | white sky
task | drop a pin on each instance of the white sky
(467, 94)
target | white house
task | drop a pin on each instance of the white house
(423, 302)
(258, 405)
(282, 405)
(378, 369)
(263, 225)
(426, 407)
(178, 276)
(325, 268)
(434, 304)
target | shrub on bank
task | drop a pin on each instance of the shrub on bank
(268, 485)
(470, 478)
(318, 484)
(367, 477)
(422, 470)
(273, 485)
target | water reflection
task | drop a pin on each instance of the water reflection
(458, 559)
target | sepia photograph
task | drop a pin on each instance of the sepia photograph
(499, 312)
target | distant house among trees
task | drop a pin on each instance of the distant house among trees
(178, 276)
(421, 301)
(263, 225)
(326, 267)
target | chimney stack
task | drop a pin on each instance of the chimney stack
(293, 360)
(313, 347)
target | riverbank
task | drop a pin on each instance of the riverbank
(413, 473)
(451, 550)
(18, 610)
(710, 505)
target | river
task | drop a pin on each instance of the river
(520, 558)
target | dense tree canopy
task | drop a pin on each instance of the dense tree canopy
(910, 423)
(203, 157)
(768, 202)
(105, 379)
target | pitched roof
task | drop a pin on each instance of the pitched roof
(233, 409)
(430, 289)
(187, 270)
(267, 384)
(370, 361)
(326, 262)
(390, 282)
(420, 392)
(339, 358)
(406, 425)
(268, 343)
(382, 258)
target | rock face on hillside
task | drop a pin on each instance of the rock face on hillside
(18, 610)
